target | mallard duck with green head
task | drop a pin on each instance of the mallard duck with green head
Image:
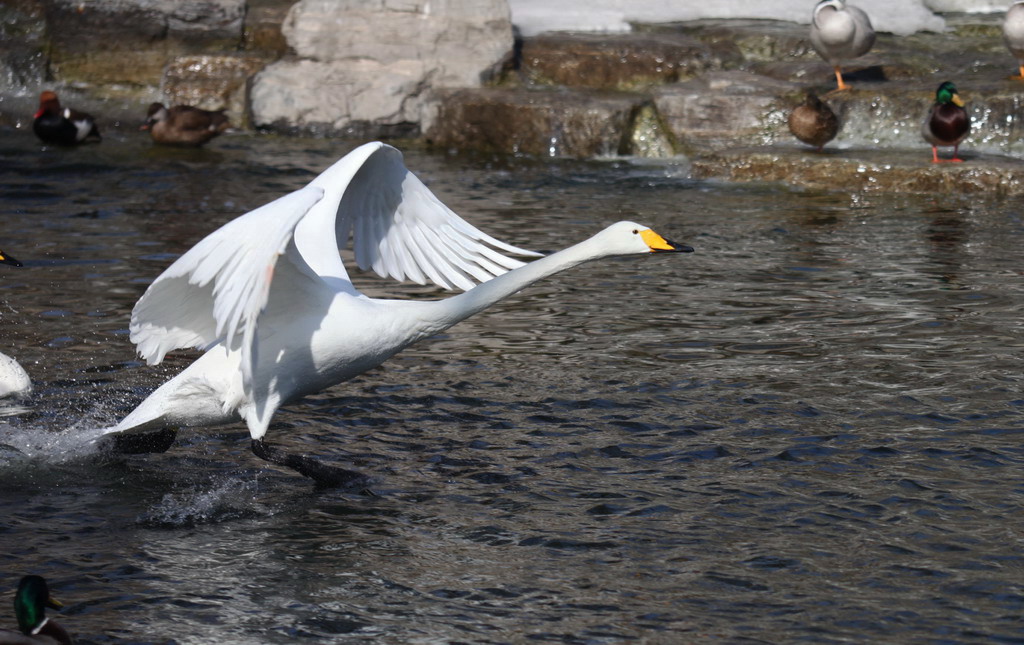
(947, 123)
(34, 628)
(814, 122)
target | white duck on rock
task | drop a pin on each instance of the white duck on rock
(1013, 35)
(840, 32)
(268, 298)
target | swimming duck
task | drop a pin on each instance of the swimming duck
(184, 125)
(1013, 35)
(64, 127)
(840, 32)
(269, 300)
(30, 603)
(14, 381)
(947, 123)
(813, 122)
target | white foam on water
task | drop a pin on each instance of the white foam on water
(52, 442)
(222, 499)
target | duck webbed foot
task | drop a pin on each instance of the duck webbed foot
(133, 443)
(316, 470)
(840, 85)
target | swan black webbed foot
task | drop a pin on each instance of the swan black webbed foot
(316, 470)
(138, 443)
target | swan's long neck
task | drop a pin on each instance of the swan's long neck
(450, 311)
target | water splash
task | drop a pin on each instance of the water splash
(225, 498)
(52, 442)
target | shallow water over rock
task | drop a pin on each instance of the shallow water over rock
(808, 430)
(894, 171)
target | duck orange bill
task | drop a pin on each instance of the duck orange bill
(658, 244)
(6, 259)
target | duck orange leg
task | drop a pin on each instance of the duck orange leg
(955, 158)
(935, 155)
(1020, 76)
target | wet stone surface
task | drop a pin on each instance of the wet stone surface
(620, 61)
(130, 43)
(697, 90)
(864, 170)
(22, 44)
(735, 91)
(725, 109)
(542, 124)
(211, 82)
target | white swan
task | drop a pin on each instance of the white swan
(840, 32)
(14, 381)
(269, 299)
(1013, 34)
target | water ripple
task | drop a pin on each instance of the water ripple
(817, 414)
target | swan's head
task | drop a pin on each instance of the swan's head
(629, 238)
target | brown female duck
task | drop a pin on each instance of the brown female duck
(814, 122)
(184, 125)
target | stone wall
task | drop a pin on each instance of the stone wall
(131, 41)
(113, 57)
(451, 72)
(373, 66)
(368, 68)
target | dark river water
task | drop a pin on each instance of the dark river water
(807, 431)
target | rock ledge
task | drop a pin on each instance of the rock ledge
(861, 170)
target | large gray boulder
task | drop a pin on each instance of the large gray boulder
(369, 67)
(725, 109)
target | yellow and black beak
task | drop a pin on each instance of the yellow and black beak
(658, 244)
(957, 100)
(53, 603)
(6, 259)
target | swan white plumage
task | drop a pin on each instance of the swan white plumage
(267, 295)
(840, 32)
(14, 381)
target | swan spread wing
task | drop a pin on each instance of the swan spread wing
(399, 229)
(218, 288)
